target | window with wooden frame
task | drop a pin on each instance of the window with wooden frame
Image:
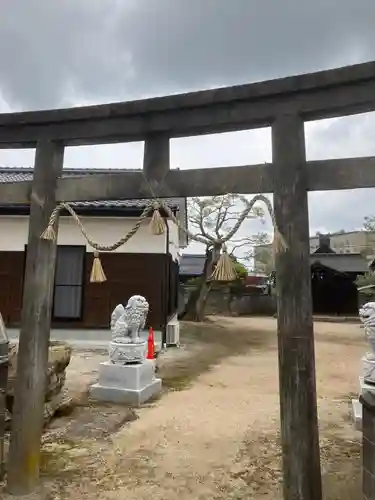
(69, 283)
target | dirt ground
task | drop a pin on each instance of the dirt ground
(214, 432)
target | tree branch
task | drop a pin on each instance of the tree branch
(218, 219)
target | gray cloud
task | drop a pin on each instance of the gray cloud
(49, 50)
(73, 52)
(115, 49)
(197, 43)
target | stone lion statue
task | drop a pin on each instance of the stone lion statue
(126, 322)
(367, 316)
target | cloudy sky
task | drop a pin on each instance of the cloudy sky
(77, 52)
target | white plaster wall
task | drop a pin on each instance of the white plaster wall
(104, 230)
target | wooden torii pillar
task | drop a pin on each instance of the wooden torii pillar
(28, 417)
(28, 412)
(298, 405)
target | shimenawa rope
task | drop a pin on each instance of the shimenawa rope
(97, 273)
(224, 269)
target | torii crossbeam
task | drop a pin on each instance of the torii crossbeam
(283, 105)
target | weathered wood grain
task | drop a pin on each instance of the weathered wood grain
(298, 406)
(322, 175)
(24, 454)
(156, 166)
(156, 163)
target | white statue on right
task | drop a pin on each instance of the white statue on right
(367, 316)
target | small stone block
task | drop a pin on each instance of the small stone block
(357, 414)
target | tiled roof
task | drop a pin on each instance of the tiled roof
(17, 174)
(192, 265)
(344, 263)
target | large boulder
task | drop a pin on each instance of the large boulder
(55, 397)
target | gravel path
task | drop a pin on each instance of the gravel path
(219, 438)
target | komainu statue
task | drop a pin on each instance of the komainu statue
(126, 345)
(367, 316)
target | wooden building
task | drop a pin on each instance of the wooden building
(333, 278)
(146, 265)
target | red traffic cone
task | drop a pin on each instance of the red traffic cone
(151, 345)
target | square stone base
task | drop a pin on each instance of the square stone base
(125, 396)
(126, 384)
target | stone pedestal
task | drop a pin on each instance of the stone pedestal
(367, 384)
(367, 401)
(357, 406)
(132, 384)
(364, 418)
(127, 352)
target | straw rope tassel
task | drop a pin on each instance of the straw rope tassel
(224, 270)
(49, 232)
(157, 221)
(97, 273)
(279, 243)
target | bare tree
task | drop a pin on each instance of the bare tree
(215, 222)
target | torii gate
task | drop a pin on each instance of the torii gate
(283, 104)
